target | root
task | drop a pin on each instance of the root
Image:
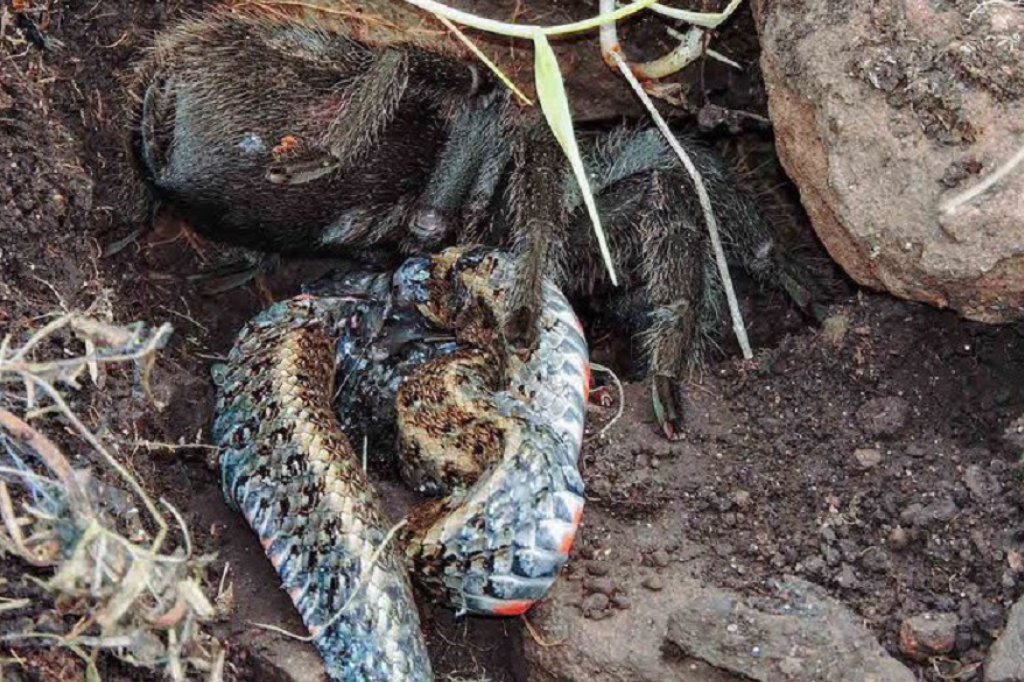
(536, 636)
(139, 600)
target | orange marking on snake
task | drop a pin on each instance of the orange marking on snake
(586, 382)
(567, 541)
(571, 537)
(513, 608)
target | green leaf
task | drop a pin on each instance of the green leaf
(555, 105)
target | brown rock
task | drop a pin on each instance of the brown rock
(927, 635)
(898, 538)
(877, 157)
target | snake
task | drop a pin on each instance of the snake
(415, 360)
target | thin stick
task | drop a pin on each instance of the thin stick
(152, 345)
(181, 525)
(705, 203)
(41, 334)
(8, 604)
(973, 193)
(536, 636)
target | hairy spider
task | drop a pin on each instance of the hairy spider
(283, 136)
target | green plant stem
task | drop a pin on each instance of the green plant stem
(526, 30)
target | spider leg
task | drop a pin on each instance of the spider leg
(673, 254)
(539, 225)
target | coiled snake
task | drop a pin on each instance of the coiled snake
(495, 433)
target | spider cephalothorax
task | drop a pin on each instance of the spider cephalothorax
(285, 137)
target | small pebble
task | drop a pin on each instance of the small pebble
(876, 559)
(594, 604)
(868, 458)
(653, 583)
(597, 568)
(602, 585)
(741, 498)
(898, 538)
(928, 635)
(846, 578)
(814, 566)
(791, 666)
(942, 510)
(916, 450)
(660, 558)
(883, 416)
(834, 328)
(621, 601)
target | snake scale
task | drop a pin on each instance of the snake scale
(495, 433)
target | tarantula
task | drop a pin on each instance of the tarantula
(282, 136)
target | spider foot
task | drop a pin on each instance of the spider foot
(671, 403)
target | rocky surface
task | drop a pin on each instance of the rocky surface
(797, 632)
(680, 628)
(1006, 659)
(886, 111)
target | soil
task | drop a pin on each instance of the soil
(864, 455)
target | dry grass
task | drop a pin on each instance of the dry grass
(128, 584)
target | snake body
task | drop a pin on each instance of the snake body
(495, 433)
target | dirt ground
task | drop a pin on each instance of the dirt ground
(865, 455)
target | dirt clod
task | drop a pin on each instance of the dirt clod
(595, 606)
(653, 583)
(605, 586)
(883, 416)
